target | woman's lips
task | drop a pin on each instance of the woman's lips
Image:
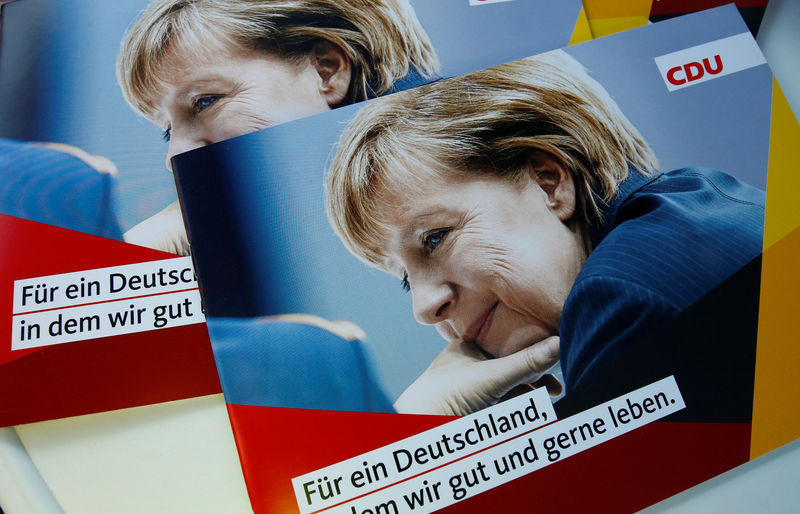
(480, 328)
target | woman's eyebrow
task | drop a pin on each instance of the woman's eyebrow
(430, 217)
(196, 85)
(418, 224)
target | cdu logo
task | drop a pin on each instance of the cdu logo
(692, 71)
(708, 61)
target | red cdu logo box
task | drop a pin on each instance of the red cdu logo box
(708, 61)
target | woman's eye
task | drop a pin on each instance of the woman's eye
(404, 283)
(201, 103)
(434, 239)
(166, 135)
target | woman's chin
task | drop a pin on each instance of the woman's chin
(517, 339)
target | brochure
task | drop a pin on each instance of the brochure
(656, 297)
(90, 323)
(93, 322)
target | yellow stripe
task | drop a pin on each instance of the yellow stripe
(776, 420)
(783, 188)
(605, 26)
(617, 8)
(582, 31)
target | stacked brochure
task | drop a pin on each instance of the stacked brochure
(101, 316)
(482, 267)
(588, 219)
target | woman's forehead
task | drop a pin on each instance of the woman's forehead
(412, 171)
(181, 63)
(402, 213)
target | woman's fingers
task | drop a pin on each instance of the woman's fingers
(553, 385)
(461, 380)
(517, 391)
(525, 366)
(549, 382)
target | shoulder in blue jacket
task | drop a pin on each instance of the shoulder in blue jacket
(664, 242)
(53, 187)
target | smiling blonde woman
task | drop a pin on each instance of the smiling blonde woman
(524, 213)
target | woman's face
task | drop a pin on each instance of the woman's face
(487, 260)
(210, 99)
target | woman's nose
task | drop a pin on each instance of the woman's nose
(432, 302)
(179, 143)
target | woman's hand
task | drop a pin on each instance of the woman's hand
(461, 380)
(162, 231)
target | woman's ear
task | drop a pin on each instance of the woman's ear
(334, 69)
(555, 179)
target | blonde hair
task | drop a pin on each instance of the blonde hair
(382, 38)
(487, 122)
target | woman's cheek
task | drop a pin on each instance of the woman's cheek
(238, 116)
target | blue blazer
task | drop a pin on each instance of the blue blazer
(48, 186)
(664, 242)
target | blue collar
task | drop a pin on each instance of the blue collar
(412, 79)
(635, 181)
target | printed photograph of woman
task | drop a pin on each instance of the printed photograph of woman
(527, 216)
